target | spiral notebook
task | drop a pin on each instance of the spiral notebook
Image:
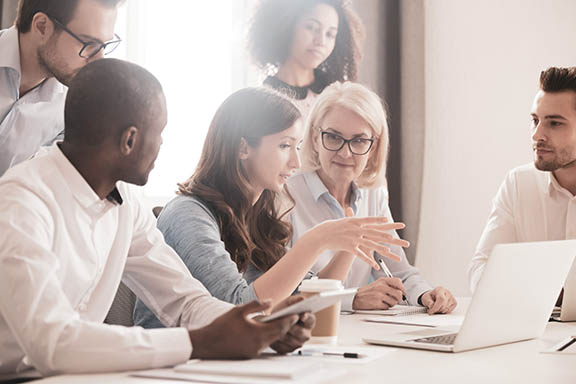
(397, 310)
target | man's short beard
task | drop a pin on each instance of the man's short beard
(551, 166)
(45, 54)
(548, 166)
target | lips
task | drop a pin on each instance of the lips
(319, 54)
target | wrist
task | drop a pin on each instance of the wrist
(311, 242)
(198, 344)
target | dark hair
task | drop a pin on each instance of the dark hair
(106, 97)
(272, 30)
(253, 234)
(556, 79)
(61, 10)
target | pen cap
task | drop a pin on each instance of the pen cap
(320, 285)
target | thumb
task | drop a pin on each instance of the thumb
(349, 212)
(254, 306)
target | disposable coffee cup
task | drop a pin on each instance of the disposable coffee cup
(327, 320)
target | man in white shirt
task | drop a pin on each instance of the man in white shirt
(71, 229)
(536, 201)
(50, 42)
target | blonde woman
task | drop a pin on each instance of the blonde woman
(344, 167)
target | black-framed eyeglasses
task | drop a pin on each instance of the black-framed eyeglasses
(90, 48)
(357, 145)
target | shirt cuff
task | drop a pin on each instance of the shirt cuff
(172, 346)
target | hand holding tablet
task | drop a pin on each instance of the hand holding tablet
(311, 304)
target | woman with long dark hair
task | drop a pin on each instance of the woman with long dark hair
(226, 224)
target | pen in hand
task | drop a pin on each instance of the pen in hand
(387, 272)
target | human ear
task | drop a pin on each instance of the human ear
(128, 140)
(42, 25)
(243, 150)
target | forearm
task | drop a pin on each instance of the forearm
(338, 267)
(284, 277)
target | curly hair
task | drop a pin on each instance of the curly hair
(272, 29)
(252, 234)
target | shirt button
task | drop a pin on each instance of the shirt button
(82, 307)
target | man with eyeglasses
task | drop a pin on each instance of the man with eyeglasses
(49, 43)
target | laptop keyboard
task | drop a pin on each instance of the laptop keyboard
(442, 339)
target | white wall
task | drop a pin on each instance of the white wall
(483, 59)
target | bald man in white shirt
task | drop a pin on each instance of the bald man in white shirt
(537, 201)
(71, 229)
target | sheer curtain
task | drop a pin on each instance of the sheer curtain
(197, 51)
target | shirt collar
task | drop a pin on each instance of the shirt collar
(10, 49)
(318, 189)
(10, 58)
(78, 185)
(554, 185)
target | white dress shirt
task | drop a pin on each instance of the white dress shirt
(30, 121)
(530, 206)
(63, 253)
(315, 204)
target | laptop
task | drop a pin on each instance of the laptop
(567, 312)
(513, 300)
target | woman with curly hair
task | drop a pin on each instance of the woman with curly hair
(225, 223)
(306, 45)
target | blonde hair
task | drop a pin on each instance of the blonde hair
(366, 104)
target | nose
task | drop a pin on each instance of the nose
(319, 38)
(538, 134)
(97, 56)
(294, 162)
(345, 152)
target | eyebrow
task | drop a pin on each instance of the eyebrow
(289, 138)
(340, 133)
(90, 39)
(558, 117)
(318, 22)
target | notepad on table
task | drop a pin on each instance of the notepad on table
(397, 310)
(262, 368)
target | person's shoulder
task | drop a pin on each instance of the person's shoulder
(185, 207)
(32, 173)
(526, 172)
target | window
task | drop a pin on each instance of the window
(198, 52)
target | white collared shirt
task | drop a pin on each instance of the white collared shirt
(63, 253)
(315, 204)
(529, 206)
(30, 121)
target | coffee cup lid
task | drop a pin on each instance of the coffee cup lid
(320, 285)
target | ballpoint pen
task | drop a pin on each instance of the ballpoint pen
(348, 355)
(387, 272)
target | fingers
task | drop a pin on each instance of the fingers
(384, 238)
(361, 253)
(349, 212)
(441, 301)
(381, 249)
(307, 320)
(390, 300)
(287, 302)
(382, 226)
(396, 285)
(453, 305)
(254, 306)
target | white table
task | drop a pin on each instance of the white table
(513, 363)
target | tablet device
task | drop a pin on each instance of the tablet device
(312, 304)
